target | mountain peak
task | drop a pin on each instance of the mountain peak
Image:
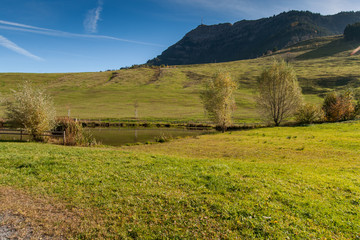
(252, 38)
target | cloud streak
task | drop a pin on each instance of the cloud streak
(12, 46)
(13, 26)
(92, 18)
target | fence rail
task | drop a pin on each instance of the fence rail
(22, 132)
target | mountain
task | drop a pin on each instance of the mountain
(250, 39)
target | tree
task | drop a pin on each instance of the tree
(279, 92)
(31, 109)
(339, 106)
(218, 99)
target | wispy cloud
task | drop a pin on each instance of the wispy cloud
(92, 18)
(12, 46)
(51, 32)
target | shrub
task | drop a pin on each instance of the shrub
(309, 113)
(279, 92)
(163, 138)
(32, 109)
(339, 106)
(75, 133)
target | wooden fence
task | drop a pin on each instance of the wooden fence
(22, 132)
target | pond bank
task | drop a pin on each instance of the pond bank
(145, 124)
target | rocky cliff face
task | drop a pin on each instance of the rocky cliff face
(251, 39)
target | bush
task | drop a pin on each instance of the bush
(163, 138)
(339, 106)
(32, 109)
(309, 113)
(75, 134)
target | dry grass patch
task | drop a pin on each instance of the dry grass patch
(23, 216)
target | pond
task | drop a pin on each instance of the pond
(122, 136)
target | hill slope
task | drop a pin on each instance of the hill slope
(250, 39)
(172, 94)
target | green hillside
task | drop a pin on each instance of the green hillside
(172, 93)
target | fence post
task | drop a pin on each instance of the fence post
(64, 137)
(21, 131)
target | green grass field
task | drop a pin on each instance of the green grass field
(271, 183)
(172, 94)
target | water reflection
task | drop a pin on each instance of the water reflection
(122, 136)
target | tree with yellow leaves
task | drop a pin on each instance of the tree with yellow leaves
(218, 99)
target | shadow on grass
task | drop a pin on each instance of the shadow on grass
(313, 90)
(9, 140)
(321, 86)
(330, 49)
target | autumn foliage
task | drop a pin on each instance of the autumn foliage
(339, 106)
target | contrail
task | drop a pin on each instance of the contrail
(12, 46)
(51, 32)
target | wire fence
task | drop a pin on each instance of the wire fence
(22, 132)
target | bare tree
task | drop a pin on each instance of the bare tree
(218, 99)
(279, 92)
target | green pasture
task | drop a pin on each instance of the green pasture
(271, 183)
(173, 93)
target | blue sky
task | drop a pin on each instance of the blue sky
(93, 35)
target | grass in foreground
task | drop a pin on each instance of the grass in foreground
(274, 183)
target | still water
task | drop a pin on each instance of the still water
(122, 136)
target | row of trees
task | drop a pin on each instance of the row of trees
(279, 97)
(352, 32)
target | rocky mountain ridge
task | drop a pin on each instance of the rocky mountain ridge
(252, 38)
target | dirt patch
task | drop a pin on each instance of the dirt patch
(23, 216)
(5, 231)
(156, 76)
(194, 79)
(112, 76)
(14, 226)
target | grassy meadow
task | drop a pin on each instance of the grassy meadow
(270, 183)
(172, 94)
(273, 183)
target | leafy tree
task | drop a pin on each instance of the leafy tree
(279, 92)
(31, 109)
(218, 99)
(339, 106)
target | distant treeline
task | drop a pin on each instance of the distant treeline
(352, 32)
